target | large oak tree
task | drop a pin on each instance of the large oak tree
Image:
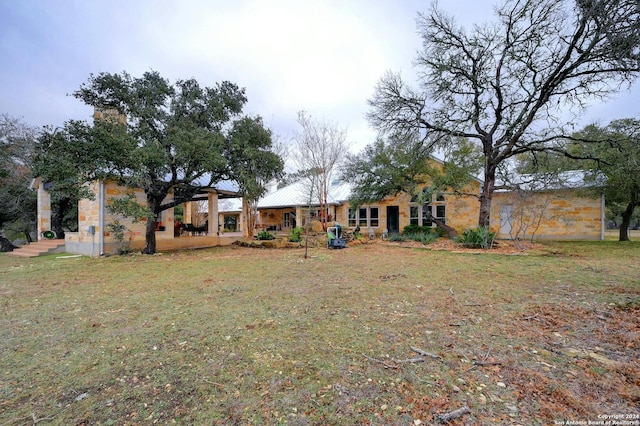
(508, 85)
(164, 138)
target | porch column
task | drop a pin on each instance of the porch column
(187, 213)
(298, 216)
(44, 210)
(212, 198)
(241, 223)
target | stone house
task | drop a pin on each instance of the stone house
(560, 212)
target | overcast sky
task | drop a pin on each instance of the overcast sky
(322, 56)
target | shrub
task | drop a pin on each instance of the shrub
(424, 238)
(296, 235)
(397, 237)
(477, 238)
(118, 230)
(265, 235)
(416, 229)
(440, 231)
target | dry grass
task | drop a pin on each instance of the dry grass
(252, 336)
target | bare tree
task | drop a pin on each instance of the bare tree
(319, 148)
(508, 85)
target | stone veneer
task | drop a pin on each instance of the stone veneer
(562, 215)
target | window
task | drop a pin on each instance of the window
(365, 217)
(426, 215)
(414, 218)
(352, 218)
(373, 217)
(421, 214)
(286, 220)
(362, 217)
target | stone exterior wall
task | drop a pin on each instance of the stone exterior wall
(135, 230)
(557, 215)
(87, 240)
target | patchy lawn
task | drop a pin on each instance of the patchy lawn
(373, 334)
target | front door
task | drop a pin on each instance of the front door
(393, 219)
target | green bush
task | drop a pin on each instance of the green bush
(440, 231)
(265, 235)
(416, 229)
(296, 235)
(426, 238)
(397, 237)
(118, 230)
(477, 238)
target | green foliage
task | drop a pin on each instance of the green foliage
(126, 207)
(118, 230)
(397, 237)
(417, 229)
(129, 207)
(480, 237)
(251, 160)
(296, 235)
(265, 235)
(424, 238)
(405, 164)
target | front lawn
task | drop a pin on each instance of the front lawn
(255, 336)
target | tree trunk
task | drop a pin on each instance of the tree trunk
(626, 221)
(150, 230)
(451, 232)
(484, 219)
(150, 237)
(249, 217)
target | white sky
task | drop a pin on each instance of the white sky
(323, 56)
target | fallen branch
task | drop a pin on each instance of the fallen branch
(425, 353)
(452, 415)
(486, 363)
(410, 360)
(386, 365)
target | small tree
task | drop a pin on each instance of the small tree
(254, 164)
(320, 147)
(618, 156)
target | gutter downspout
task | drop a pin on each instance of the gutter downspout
(602, 218)
(101, 219)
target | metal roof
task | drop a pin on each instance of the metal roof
(297, 194)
